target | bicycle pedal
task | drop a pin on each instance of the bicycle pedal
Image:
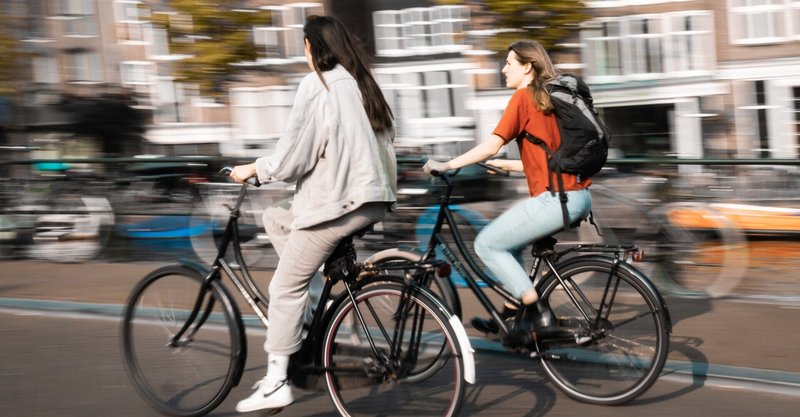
(583, 340)
(272, 411)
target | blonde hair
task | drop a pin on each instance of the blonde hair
(531, 52)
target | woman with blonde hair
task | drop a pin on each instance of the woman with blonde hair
(528, 69)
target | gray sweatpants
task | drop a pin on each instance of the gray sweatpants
(301, 253)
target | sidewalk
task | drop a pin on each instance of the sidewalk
(732, 333)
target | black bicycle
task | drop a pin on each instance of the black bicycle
(616, 323)
(376, 343)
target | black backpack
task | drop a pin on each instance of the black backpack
(584, 137)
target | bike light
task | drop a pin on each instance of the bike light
(638, 256)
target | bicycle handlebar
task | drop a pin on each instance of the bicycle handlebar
(226, 172)
(494, 169)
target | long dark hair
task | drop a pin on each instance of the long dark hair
(331, 44)
(531, 52)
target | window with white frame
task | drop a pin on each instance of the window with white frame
(129, 26)
(674, 44)
(83, 66)
(420, 30)
(170, 101)
(603, 39)
(45, 69)
(136, 72)
(763, 21)
(283, 39)
(644, 45)
(79, 17)
(426, 93)
(389, 31)
(689, 45)
(261, 113)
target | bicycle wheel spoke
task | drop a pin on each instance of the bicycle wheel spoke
(192, 376)
(627, 343)
(415, 375)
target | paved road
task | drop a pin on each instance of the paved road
(60, 356)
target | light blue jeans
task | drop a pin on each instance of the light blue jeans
(500, 243)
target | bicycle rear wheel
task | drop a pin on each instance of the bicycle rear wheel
(409, 332)
(628, 331)
(193, 376)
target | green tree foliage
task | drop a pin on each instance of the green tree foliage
(213, 35)
(546, 21)
(11, 53)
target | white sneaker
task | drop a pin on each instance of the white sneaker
(268, 395)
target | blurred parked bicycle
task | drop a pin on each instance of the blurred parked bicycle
(693, 249)
(54, 216)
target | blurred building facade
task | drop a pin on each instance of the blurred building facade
(686, 78)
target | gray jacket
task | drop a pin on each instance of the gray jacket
(330, 150)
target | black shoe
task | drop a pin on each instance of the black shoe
(544, 322)
(488, 325)
(535, 322)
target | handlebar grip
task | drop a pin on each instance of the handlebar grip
(226, 172)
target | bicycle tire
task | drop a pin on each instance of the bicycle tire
(441, 287)
(195, 377)
(626, 355)
(357, 383)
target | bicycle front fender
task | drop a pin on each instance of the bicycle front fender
(467, 353)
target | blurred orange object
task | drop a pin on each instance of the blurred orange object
(750, 219)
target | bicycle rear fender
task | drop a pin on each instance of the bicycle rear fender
(631, 270)
(394, 253)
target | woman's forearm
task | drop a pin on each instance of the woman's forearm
(507, 164)
(479, 153)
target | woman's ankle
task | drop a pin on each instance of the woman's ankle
(529, 297)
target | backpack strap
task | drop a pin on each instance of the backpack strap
(562, 195)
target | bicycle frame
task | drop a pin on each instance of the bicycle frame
(258, 302)
(445, 215)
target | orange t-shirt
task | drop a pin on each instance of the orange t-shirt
(522, 114)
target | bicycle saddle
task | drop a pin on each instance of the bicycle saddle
(545, 246)
(342, 262)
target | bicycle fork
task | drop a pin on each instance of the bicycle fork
(178, 339)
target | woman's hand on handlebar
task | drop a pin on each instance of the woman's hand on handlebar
(435, 168)
(241, 173)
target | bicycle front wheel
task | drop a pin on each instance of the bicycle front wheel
(192, 375)
(619, 350)
(381, 366)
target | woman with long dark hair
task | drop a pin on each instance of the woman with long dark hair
(528, 69)
(338, 148)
